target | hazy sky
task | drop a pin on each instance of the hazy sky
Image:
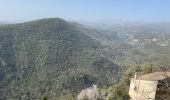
(85, 10)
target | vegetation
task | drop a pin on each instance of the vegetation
(52, 58)
(148, 69)
(120, 90)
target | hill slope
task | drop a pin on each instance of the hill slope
(50, 57)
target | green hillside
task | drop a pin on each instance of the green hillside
(50, 57)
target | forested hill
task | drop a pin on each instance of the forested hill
(50, 57)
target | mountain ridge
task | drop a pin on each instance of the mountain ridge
(52, 54)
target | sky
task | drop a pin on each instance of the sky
(86, 10)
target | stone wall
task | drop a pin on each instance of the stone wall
(142, 89)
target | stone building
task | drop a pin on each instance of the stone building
(153, 86)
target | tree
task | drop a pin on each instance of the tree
(148, 69)
(43, 98)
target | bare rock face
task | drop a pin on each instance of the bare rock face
(90, 93)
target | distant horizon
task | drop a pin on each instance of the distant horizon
(102, 21)
(85, 10)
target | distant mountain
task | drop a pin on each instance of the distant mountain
(147, 41)
(51, 57)
(5, 23)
